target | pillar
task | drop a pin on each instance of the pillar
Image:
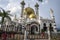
(53, 19)
(22, 7)
(36, 8)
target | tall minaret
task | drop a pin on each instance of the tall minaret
(15, 18)
(53, 19)
(22, 7)
(36, 8)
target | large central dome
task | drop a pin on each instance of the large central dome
(28, 11)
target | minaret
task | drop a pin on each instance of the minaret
(15, 18)
(36, 8)
(22, 7)
(53, 19)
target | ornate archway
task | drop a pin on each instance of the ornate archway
(34, 28)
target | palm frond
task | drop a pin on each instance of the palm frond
(8, 17)
(5, 14)
(8, 11)
(1, 14)
(2, 9)
(2, 20)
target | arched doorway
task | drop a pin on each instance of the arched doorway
(34, 29)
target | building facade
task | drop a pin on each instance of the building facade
(30, 24)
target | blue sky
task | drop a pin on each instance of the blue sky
(15, 7)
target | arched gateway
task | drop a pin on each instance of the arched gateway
(34, 27)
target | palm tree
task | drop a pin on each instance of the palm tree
(4, 14)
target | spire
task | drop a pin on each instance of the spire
(51, 10)
(36, 5)
(22, 7)
(53, 19)
(51, 13)
(28, 5)
(15, 18)
(23, 3)
(36, 8)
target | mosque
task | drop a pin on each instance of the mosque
(30, 23)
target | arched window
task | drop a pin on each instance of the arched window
(44, 27)
(20, 27)
(44, 24)
(51, 28)
(50, 25)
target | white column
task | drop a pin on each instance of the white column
(25, 35)
(48, 31)
(0, 25)
(37, 7)
(53, 19)
(22, 7)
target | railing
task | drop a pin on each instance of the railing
(38, 36)
(54, 36)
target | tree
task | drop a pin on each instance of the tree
(4, 14)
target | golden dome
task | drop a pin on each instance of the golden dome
(32, 16)
(28, 11)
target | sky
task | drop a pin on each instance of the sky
(15, 8)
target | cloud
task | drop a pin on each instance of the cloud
(4, 2)
(0, 0)
(14, 8)
(12, 5)
(45, 2)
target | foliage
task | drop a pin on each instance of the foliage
(4, 14)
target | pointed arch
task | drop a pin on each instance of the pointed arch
(51, 28)
(44, 27)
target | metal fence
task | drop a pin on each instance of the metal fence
(54, 36)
